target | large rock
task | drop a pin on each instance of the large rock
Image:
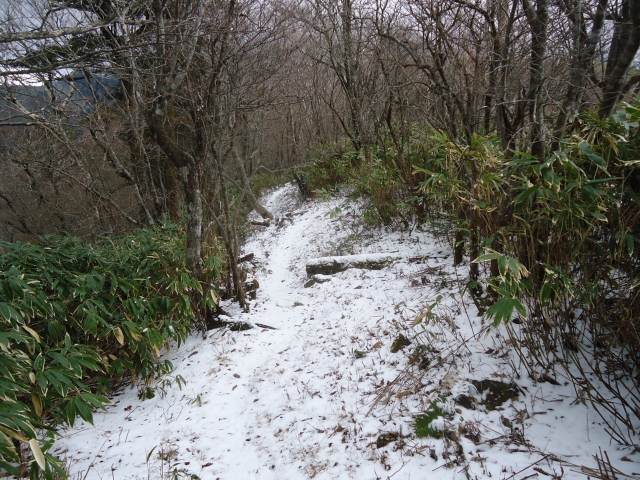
(331, 265)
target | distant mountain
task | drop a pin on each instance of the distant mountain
(88, 90)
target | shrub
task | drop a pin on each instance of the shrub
(334, 165)
(570, 224)
(431, 422)
(76, 317)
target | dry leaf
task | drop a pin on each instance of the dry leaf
(213, 296)
(406, 393)
(135, 336)
(37, 404)
(37, 453)
(33, 333)
(421, 316)
(119, 335)
(13, 433)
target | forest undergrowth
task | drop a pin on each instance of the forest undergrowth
(78, 320)
(552, 245)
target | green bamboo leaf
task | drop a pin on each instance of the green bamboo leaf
(501, 311)
(629, 240)
(520, 307)
(70, 412)
(84, 409)
(502, 265)
(486, 257)
(526, 194)
(592, 156)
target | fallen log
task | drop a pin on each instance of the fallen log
(368, 261)
(331, 265)
(265, 223)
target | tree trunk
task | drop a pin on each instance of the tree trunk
(246, 183)
(194, 220)
(538, 22)
(230, 239)
(191, 181)
(620, 57)
(458, 248)
(584, 55)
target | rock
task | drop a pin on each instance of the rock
(246, 258)
(399, 343)
(385, 439)
(494, 393)
(466, 401)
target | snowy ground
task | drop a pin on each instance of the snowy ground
(311, 398)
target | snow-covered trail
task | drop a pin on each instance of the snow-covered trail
(295, 402)
(262, 403)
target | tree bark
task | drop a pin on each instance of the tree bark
(584, 55)
(194, 220)
(191, 181)
(246, 183)
(614, 82)
(538, 22)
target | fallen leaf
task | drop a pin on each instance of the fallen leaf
(406, 393)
